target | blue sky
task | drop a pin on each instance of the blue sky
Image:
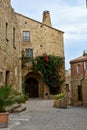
(69, 16)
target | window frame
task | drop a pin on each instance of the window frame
(1, 76)
(14, 45)
(78, 68)
(6, 31)
(26, 36)
(85, 65)
(29, 52)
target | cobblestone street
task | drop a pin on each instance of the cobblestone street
(41, 115)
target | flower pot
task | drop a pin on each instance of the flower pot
(4, 119)
(60, 103)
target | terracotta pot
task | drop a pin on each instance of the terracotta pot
(4, 119)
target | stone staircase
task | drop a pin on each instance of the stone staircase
(16, 108)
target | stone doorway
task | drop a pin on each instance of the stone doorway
(80, 94)
(32, 88)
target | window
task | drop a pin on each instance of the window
(7, 78)
(78, 69)
(14, 37)
(79, 93)
(6, 33)
(85, 65)
(29, 52)
(1, 76)
(26, 36)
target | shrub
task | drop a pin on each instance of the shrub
(21, 98)
(59, 96)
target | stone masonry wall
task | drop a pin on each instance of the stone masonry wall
(9, 46)
(43, 39)
(79, 80)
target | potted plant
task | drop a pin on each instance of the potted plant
(7, 97)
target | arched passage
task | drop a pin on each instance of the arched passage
(32, 88)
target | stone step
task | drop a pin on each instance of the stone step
(19, 109)
(12, 107)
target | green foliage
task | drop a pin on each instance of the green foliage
(59, 96)
(24, 61)
(26, 97)
(7, 97)
(25, 94)
(49, 66)
(22, 98)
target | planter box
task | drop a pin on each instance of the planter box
(60, 103)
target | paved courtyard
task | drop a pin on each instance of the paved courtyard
(40, 115)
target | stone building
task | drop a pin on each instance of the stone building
(10, 66)
(39, 38)
(79, 80)
(22, 35)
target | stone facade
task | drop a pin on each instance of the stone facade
(20, 35)
(10, 72)
(43, 39)
(79, 80)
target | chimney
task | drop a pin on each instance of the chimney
(84, 53)
(46, 18)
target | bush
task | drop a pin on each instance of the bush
(59, 96)
(22, 98)
(26, 96)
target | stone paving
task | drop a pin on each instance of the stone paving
(41, 115)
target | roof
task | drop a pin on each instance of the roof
(38, 22)
(79, 59)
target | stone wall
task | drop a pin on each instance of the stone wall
(9, 46)
(43, 39)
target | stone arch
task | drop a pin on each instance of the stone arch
(33, 84)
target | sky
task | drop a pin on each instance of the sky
(69, 16)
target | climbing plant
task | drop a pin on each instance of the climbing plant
(50, 66)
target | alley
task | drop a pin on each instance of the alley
(41, 115)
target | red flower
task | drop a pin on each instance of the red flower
(46, 59)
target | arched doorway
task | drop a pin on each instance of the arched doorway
(31, 87)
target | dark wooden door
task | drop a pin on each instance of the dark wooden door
(32, 87)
